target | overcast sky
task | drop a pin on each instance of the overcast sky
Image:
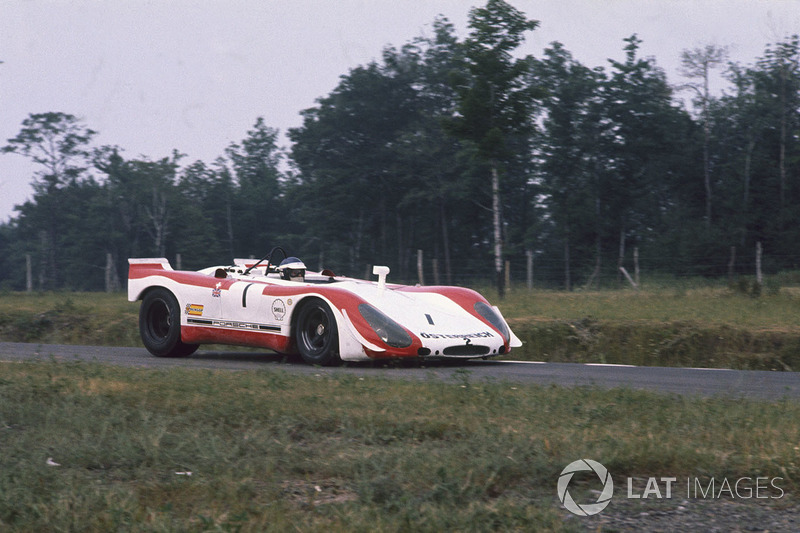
(193, 75)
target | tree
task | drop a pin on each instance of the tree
(255, 166)
(650, 146)
(738, 121)
(571, 152)
(780, 78)
(143, 194)
(768, 99)
(57, 142)
(350, 175)
(433, 176)
(204, 229)
(697, 64)
(494, 101)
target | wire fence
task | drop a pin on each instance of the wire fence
(531, 271)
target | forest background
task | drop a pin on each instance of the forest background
(457, 148)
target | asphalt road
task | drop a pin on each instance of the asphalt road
(684, 381)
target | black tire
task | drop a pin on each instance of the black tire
(160, 325)
(316, 334)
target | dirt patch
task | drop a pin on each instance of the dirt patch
(314, 493)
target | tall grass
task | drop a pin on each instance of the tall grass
(709, 306)
(69, 318)
(270, 451)
(677, 326)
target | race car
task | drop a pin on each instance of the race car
(323, 317)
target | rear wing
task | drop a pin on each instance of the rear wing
(140, 268)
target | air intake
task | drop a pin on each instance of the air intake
(466, 350)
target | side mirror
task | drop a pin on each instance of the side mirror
(381, 272)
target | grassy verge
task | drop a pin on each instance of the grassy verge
(699, 327)
(706, 327)
(69, 318)
(269, 451)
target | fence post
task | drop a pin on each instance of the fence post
(420, 269)
(629, 278)
(732, 264)
(112, 280)
(529, 258)
(28, 273)
(759, 275)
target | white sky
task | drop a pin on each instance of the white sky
(193, 75)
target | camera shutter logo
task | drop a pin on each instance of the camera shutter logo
(586, 509)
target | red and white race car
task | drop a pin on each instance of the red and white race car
(324, 317)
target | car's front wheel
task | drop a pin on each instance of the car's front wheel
(316, 334)
(160, 325)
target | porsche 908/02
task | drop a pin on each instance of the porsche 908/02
(323, 317)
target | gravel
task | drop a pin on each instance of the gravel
(707, 515)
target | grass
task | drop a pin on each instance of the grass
(698, 327)
(709, 305)
(69, 318)
(271, 451)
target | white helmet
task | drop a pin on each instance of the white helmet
(292, 269)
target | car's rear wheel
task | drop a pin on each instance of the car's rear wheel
(160, 325)
(316, 334)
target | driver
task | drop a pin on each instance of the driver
(292, 269)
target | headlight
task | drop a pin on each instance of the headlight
(387, 329)
(493, 318)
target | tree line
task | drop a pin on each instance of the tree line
(456, 147)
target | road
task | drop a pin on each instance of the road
(684, 381)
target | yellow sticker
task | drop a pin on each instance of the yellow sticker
(194, 309)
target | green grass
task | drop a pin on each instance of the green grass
(698, 327)
(710, 306)
(69, 318)
(271, 451)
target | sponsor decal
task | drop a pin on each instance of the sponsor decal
(231, 324)
(465, 336)
(194, 309)
(278, 309)
(217, 292)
